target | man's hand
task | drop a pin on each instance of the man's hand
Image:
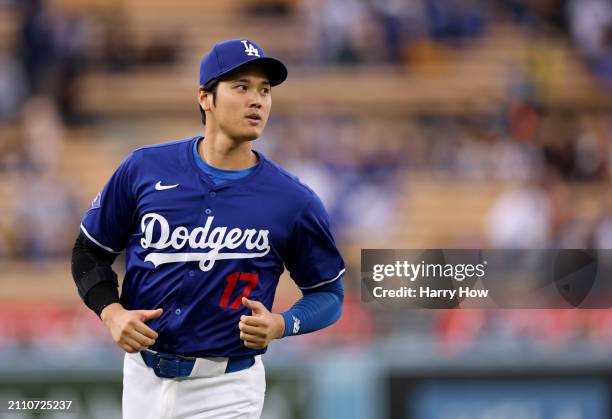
(128, 328)
(259, 329)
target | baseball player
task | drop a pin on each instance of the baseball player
(207, 225)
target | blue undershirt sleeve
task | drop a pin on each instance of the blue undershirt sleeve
(318, 308)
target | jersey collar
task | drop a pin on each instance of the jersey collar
(200, 173)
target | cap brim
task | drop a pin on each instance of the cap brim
(275, 69)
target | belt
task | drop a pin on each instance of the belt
(173, 366)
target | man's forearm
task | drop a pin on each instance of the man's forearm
(101, 296)
(92, 273)
(315, 310)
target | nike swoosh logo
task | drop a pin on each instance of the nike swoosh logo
(160, 187)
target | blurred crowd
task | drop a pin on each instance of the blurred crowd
(40, 204)
(44, 54)
(357, 164)
(399, 31)
(545, 163)
(372, 31)
(49, 48)
(554, 165)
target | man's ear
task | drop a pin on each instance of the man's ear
(205, 99)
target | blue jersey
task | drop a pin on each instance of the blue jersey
(194, 249)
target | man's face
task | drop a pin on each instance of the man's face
(242, 104)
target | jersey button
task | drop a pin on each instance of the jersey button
(213, 194)
(207, 211)
(191, 273)
(177, 311)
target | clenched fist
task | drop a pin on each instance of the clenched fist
(128, 328)
(259, 329)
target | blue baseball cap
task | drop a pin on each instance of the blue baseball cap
(229, 55)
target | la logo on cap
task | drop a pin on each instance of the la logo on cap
(250, 49)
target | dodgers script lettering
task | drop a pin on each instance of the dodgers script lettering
(215, 239)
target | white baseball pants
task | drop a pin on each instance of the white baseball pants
(208, 393)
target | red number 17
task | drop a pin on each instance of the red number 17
(232, 281)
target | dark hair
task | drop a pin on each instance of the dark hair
(210, 87)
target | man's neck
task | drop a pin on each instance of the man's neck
(221, 152)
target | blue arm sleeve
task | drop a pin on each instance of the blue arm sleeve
(318, 308)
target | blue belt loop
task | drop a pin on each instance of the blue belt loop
(239, 363)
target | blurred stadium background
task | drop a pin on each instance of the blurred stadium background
(421, 124)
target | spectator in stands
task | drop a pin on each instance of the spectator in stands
(338, 30)
(556, 137)
(43, 133)
(592, 143)
(35, 46)
(117, 56)
(12, 84)
(70, 41)
(579, 232)
(52, 49)
(397, 23)
(46, 214)
(519, 10)
(521, 218)
(591, 27)
(455, 20)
